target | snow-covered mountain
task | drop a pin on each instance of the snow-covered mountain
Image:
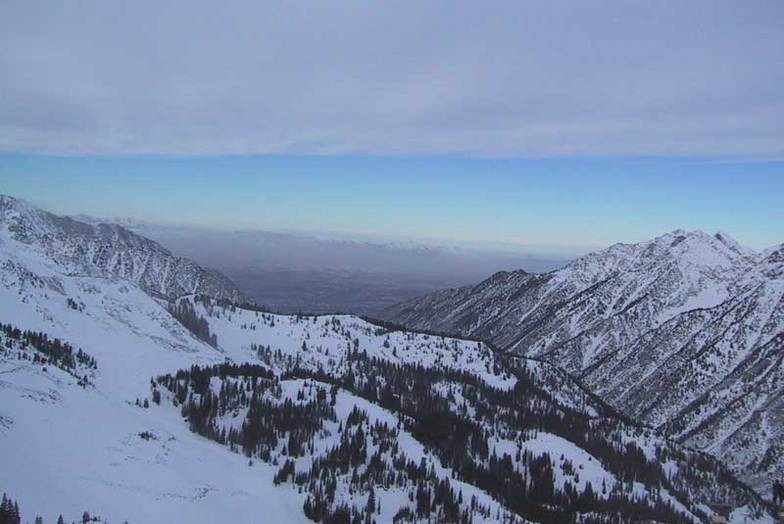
(110, 405)
(684, 332)
(110, 250)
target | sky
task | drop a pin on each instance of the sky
(505, 78)
(548, 205)
(541, 122)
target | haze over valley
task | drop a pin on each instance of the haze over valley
(328, 273)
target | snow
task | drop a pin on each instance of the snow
(743, 515)
(392, 499)
(587, 466)
(66, 449)
(329, 338)
(70, 449)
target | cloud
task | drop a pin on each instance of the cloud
(468, 78)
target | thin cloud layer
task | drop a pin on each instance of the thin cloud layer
(497, 79)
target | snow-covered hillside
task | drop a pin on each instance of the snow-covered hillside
(67, 447)
(684, 332)
(109, 250)
(108, 404)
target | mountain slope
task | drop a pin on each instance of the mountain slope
(67, 448)
(683, 332)
(109, 404)
(109, 250)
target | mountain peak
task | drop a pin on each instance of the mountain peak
(683, 234)
(694, 252)
(6, 200)
(698, 236)
(10, 205)
(658, 328)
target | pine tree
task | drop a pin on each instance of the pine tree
(370, 507)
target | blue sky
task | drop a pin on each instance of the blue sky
(407, 119)
(551, 203)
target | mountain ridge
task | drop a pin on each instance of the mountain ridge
(111, 250)
(652, 328)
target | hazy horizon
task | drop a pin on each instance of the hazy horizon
(548, 207)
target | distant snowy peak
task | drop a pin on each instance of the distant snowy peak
(674, 272)
(658, 280)
(694, 249)
(109, 250)
(683, 331)
(702, 249)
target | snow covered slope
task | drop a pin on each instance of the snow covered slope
(68, 445)
(351, 353)
(683, 332)
(109, 404)
(109, 250)
(67, 448)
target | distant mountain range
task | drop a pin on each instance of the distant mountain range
(133, 387)
(684, 332)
